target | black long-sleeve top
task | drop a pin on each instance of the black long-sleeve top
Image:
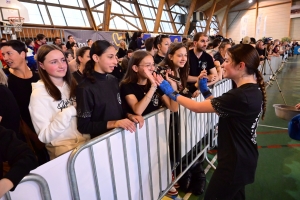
(18, 154)
(98, 103)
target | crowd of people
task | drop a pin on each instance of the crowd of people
(57, 96)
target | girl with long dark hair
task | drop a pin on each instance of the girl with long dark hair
(99, 105)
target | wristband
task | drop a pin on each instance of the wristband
(173, 95)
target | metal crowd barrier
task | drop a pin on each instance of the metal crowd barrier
(269, 68)
(41, 182)
(156, 154)
(124, 165)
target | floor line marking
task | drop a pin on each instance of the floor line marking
(208, 166)
(187, 196)
(273, 126)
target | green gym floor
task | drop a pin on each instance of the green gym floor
(278, 170)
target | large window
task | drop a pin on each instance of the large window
(60, 12)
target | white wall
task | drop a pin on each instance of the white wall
(295, 29)
(234, 25)
(277, 19)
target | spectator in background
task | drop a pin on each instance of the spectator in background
(184, 40)
(246, 40)
(74, 48)
(40, 40)
(133, 42)
(260, 48)
(122, 50)
(190, 45)
(200, 60)
(9, 110)
(20, 158)
(83, 55)
(89, 42)
(73, 66)
(57, 41)
(220, 58)
(126, 59)
(63, 47)
(294, 44)
(149, 45)
(162, 43)
(30, 55)
(140, 41)
(252, 42)
(20, 78)
(3, 63)
(70, 41)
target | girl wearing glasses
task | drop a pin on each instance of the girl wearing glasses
(99, 105)
(162, 44)
(239, 111)
(138, 88)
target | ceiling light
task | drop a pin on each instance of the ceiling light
(250, 1)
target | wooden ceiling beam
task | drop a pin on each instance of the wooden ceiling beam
(171, 2)
(210, 16)
(158, 15)
(188, 19)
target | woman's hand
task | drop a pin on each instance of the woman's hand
(149, 75)
(202, 75)
(297, 106)
(5, 186)
(125, 124)
(138, 119)
(172, 83)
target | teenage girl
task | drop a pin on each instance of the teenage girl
(177, 60)
(83, 55)
(161, 43)
(52, 103)
(239, 111)
(220, 56)
(138, 88)
(99, 105)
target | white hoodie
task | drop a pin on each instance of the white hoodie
(55, 121)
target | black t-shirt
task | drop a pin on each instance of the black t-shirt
(21, 89)
(121, 53)
(68, 45)
(157, 58)
(239, 111)
(261, 52)
(139, 91)
(218, 57)
(196, 64)
(98, 103)
(9, 110)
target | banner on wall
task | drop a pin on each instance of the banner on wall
(244, 24)
(261, 25)
(81, 36)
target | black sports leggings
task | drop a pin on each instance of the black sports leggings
(219, 189)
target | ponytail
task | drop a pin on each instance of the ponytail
(260, 82)
(89, 70)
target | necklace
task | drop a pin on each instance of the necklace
(143, 88)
